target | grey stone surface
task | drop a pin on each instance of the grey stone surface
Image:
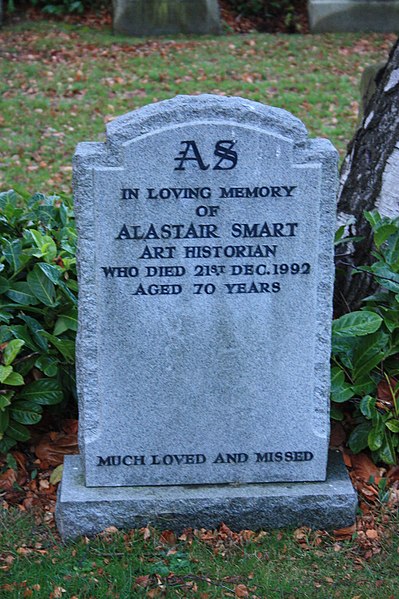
(216, 370)
(322, 505)
(159, 17)
(353, 15)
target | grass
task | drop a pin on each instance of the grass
(126, 565)
(60, 84)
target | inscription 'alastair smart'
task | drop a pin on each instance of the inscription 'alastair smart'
(205, 231)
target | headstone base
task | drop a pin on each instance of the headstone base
(353, 15)
(85, 510)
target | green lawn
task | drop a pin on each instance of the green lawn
(60, 84)
(271, 565)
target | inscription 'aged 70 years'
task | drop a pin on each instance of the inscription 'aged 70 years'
(208, 242)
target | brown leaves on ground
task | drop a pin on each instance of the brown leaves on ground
(33, 484)
(378, 492)
(53, 446)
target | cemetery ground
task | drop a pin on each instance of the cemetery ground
(59, 84)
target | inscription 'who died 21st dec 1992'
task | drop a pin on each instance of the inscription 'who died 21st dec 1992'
(210, 249)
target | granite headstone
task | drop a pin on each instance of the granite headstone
(160, 17)
(206, 271)
(353, 15)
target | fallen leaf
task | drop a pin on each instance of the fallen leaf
(345, 533)
(110, 530)
(364, 468)
(168, 537)
(143, 581)
(56, 475)
(70, 426)
(385, 391)
(57, 593)
(146, 532)
(347, 459)
(393, 474)
(241, 591)
(372, 533)
(7, 480)
(53, 446)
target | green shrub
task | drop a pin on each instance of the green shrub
(365, 353)
(38, 309)
(268, 9)
(59, 7)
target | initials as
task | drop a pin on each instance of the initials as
(227, 157)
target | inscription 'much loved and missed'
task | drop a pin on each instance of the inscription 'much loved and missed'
(230, 245)
(266, 457)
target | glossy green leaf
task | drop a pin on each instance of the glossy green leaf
(358, 323)
(5, 371)
(17, 431)
(11, 350)
(375, 438)
(367, 406)
(386, 451)
(358, 439)
(336, 413)
(37, 237)
(341, 391)
(37, 329)
(12, 251)
(372, 217)
(14, 379)
(48, 365)
(392, 252)
(26, 412)
(25, 365)
(41, 287)
(67, 322)
(6, 443)
(52, 272)
(67, 292)
(365, 388)
(65, 346)
(393, 425)
(386, 277)
(383, 232)
(5, 399)
(369, 353)
(21, 332)
(44, 392)
(4, 285)
(4, 420)
(5, 316)
(5, 334)
(21, 294)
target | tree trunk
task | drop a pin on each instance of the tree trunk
(369, 179)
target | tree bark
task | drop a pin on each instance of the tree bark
(369, 179)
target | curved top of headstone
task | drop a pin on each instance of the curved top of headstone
(205, 108)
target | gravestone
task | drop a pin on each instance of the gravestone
(159, 17)
(353, 15)
(206, 270)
